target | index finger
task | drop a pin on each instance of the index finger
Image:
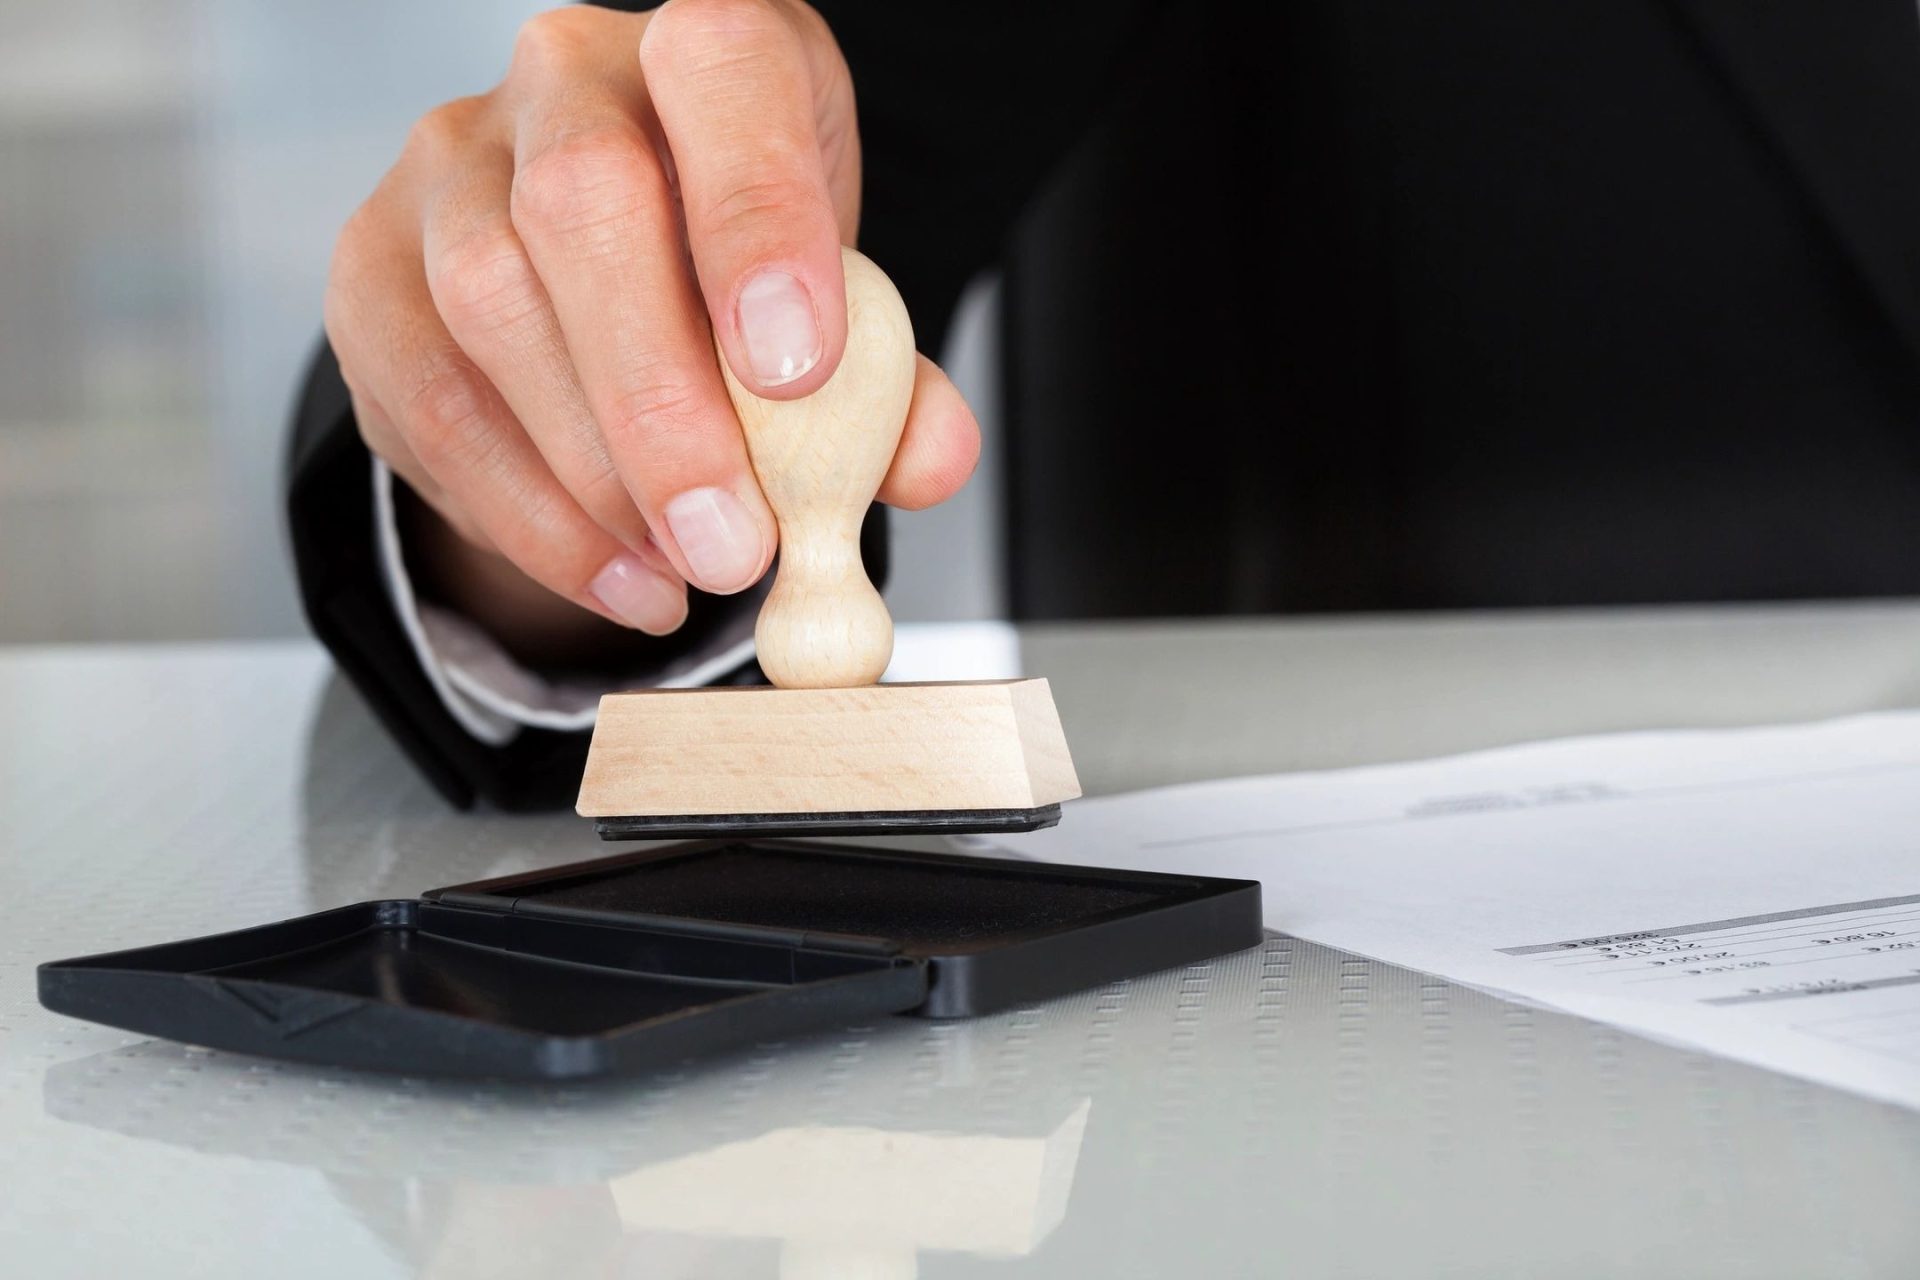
(734, 90)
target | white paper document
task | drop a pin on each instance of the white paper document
(1753, 892)
(954, 651)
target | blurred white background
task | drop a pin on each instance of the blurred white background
(172, 173)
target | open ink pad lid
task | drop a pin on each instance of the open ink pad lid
(624, 963)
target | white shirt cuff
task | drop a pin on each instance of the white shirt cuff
(481, 685)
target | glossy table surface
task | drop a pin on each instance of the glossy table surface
(1289, 1111)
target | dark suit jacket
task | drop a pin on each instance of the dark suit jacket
(1360, 304)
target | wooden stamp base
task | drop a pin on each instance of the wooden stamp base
(922, 752)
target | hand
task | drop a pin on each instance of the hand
(526, 309)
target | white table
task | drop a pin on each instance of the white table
(1287, 1111)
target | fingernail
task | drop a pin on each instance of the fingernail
(777, 324)
(718, 537)
(639, 595)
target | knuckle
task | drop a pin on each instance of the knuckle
(447, 420)
(554, 527)
(603, 491)
(604, 495)
(351, 248)
(693, 27)
(552, 39)
(591, 181)
(484, 280)
(661, 415)
(442, 130)
(765, 201)
(810, 26)
(810, 19)
(339, 303)
(548, 540)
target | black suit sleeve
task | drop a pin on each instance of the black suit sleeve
(962, 109)
(965, 109)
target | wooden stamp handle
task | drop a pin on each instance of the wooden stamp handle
(820, 460)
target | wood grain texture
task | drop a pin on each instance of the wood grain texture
(820, 460)
(992, 744)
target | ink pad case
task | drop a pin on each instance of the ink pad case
(627, 963)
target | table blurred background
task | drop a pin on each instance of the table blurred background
(172, 174)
